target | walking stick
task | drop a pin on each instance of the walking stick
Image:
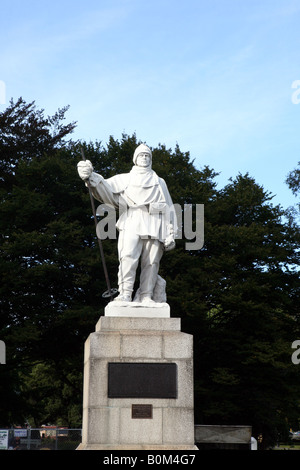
(110, 291)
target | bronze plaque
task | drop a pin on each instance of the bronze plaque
(141, 412)
(142, 380)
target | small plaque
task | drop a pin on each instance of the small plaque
(142, 380)
(141, 412)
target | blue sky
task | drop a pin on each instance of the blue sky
(214, 76)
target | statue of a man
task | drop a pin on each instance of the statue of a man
(146, 224)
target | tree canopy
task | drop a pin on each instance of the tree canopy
(293, 179)
(238, 295)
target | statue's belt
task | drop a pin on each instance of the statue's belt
(153, 207)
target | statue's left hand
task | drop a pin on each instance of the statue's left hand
(169, 243)
(169, 246)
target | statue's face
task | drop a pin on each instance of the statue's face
(143, 159)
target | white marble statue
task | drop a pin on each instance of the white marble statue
(146, 225)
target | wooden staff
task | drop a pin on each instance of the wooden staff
(110, 292)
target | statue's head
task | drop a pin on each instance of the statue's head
(142, 156)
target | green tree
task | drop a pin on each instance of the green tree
(251, 285)
(293, 180)
(25, 133)
(31, 259)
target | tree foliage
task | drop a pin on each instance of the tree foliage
(293, 180)
(238, 295)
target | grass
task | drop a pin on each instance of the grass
(287, 447)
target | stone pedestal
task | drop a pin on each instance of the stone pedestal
(138, 384)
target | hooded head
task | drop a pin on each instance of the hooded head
(141, 149)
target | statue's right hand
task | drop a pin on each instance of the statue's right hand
(85, 169)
